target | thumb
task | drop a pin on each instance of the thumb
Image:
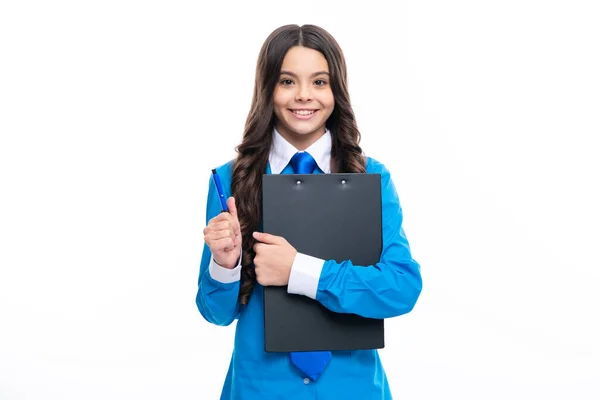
(233, 212)
(267, 238)
(232, 207)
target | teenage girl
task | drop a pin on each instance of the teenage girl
(300, 115)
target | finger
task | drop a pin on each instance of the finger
(219, 218)
(237, 241)
(218, 230)
(233, 212)
(216, 235)
(257, 247)
(268, 238)
(258, 273)
(228, 223)
(220, 226)
(262, 279)
(223, 244)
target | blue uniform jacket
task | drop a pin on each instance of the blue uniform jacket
(385, 290)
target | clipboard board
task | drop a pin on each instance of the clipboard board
(329, 216)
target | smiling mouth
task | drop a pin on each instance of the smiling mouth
(304, 112)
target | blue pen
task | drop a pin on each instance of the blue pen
(220, 191)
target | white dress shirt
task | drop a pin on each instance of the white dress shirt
(306, 270)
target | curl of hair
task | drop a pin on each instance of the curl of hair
(253, 152)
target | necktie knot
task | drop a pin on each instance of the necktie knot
(303, 163)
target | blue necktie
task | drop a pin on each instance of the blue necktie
(303, 163)
(312, 363)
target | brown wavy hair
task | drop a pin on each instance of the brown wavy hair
(253, 152)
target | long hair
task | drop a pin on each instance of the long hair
(253, 152)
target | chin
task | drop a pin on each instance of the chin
(303, 130)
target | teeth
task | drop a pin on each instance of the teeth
(303, 112)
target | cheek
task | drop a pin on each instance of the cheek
(277, 112)
(328, 100)
(278, 103)
(280, 98)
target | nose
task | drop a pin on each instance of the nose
(304, 93)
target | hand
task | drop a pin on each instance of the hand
(273, 260)
(224, 238)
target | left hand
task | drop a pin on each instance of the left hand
(273, 260)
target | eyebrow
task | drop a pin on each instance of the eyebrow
(312, 76)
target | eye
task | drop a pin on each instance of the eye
(320, 82)
(286, 82)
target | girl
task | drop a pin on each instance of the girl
(300, 108)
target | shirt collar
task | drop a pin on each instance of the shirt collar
(282, 152)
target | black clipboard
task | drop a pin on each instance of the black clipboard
(329, 216)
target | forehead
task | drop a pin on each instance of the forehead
(302, 60)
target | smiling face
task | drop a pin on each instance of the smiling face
(303, 100)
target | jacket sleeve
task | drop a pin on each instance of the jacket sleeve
(217, 301)
(387, 289)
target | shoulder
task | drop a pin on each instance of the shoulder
(388, 189)
(375, 167)
(225, 171)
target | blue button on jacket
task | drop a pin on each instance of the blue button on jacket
(385, 290)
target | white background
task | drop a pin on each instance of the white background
(113, 113)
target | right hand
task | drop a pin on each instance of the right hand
(224, 238)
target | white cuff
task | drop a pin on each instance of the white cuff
(225, 275)
(304, 276)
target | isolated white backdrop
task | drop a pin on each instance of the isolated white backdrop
(113, 113)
